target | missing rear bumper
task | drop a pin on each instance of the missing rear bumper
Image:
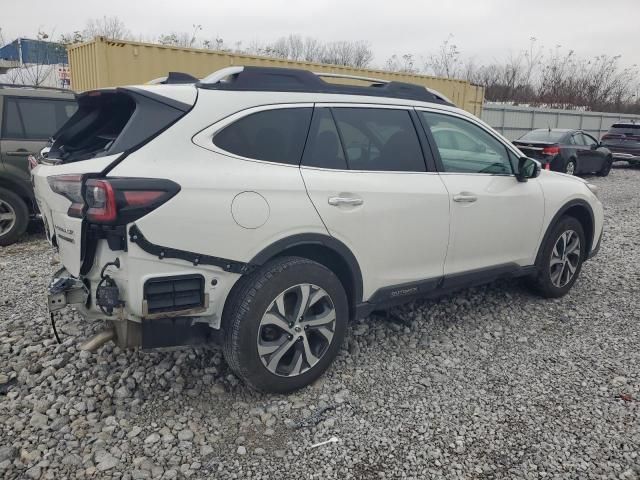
(65, 290)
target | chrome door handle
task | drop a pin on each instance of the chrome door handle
(465, 197)
(336, 201)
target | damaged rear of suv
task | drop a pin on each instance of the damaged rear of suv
(86, 210)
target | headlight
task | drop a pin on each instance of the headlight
(594, 189)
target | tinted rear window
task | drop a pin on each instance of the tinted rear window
(378, 139)
(625, 129)
(542, 136)
(323, 148)
(276, 135)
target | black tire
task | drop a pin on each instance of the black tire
(568, 170)
(12, 203)
(542, 281)
(248, 303)
(606, 167)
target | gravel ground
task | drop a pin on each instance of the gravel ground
(490, 383)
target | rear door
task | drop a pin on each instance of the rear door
(27, 125)
(596, 155)
(366, 175)
(586, 161)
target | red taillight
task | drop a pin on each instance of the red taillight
(141, 197)
(113, 201)
(69, 186)
(551, 150)
(118, 201)
(101, 201)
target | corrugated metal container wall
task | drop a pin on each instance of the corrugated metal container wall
(108, 63)
(514, 121)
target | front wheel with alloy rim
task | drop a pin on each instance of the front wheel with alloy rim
(284, 324)
(570, 167)
(14, 217)
(561, 258)
(606, 167)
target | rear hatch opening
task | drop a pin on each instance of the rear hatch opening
(108, 125)
(113, 121)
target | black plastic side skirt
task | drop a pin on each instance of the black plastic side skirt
(388, 297)
(233, 266)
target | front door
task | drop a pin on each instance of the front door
(596, 157)
(366, 175)
(496, 220)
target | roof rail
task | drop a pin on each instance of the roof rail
(271, 79)
(350, 77)
(35, 87)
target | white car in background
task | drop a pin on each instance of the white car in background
(263, 208)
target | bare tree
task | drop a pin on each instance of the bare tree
(109, 27)
(404, 63)
(72, 38)
(446, 61)
(313, 50)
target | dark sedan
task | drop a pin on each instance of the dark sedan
(567, 151)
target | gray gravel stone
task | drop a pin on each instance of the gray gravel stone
(491, 382)
(107, 463)
(185, 435)
(153, 438)
(7, 453)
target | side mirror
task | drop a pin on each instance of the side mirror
(527, 168)
(594, 146)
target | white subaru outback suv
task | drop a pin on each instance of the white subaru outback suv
(263, 208)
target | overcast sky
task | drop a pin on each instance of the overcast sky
(484, 29)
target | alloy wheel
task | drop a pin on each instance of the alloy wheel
(7, 217)
(296, 330)
(565, 258)
(571, 168)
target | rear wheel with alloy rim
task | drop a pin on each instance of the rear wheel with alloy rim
(570, 167)
(283, 325)
(14, 217)
(560, 260)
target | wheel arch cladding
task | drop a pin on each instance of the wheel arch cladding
(581, 211)
(325, 250)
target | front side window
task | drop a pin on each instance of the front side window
(465, 147)
(589, 140)
(276, 135)
(379, 139)
(34, 118)
(578, 139)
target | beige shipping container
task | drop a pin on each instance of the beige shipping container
(110, 63)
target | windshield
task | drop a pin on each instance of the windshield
(542, 136)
